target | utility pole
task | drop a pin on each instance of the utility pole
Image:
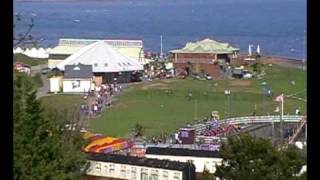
(304, 53)
(161, 54)
(281, 120)
(272, 130)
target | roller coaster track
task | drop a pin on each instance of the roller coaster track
(253, 120)
(299, 128)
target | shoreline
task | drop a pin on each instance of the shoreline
(282, 61)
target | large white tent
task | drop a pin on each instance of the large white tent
(103, 58)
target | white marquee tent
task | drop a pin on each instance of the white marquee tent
(33, 52)
(103, 58)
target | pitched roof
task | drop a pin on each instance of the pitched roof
(207, 46)
(70, 46)
(103, 58)
(78, 71)
(67, 50)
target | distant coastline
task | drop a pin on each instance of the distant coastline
(45, 1)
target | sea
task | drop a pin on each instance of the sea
(278, 27)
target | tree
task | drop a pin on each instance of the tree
(43, 148)
(206, 174)
(23, 37)
(247, 157)
(258, 65)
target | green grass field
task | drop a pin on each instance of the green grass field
(62, 103)
(150, 105)
(28, 60)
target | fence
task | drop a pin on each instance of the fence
(250, 120)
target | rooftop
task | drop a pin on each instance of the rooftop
(181, 152)
(207, 46)
(155, 163)
(103, 58)
(78, 71)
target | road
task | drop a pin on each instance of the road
(42, 91)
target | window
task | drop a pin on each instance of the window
(98, 167)
(176, 175)
(106, 169)
(123, 171)
(111, 169)
(119, 64)
(144, 174)
(133, 173)
(95, 65)
(106, 65)
(165, 175)
(75, 84)
(154, 175)
(76, 68)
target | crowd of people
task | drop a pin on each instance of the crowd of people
(99, 97)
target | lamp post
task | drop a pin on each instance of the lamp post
(266, 92)
(227, 92)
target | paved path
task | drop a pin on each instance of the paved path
(85, 120)
(43, 91)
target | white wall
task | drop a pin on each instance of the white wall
(125, 171)
(199, 162)
(55, 84)
(76, 85)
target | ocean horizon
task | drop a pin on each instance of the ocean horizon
(277, 26)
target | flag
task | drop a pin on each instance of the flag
(279, 98)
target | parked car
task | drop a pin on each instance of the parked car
(246, 74)
(237, 73)
(208, 77)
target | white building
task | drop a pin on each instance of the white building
(77, 78)
(200, 158)
(107, 63)
(55, 84)
(125, 167)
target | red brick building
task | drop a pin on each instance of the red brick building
(207, 56)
